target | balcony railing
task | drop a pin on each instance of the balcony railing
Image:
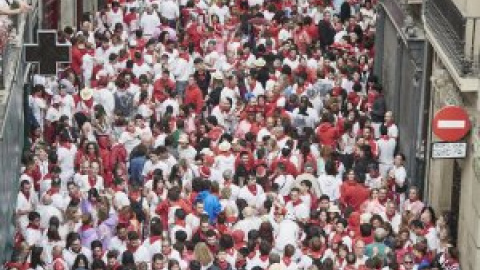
(456, 35)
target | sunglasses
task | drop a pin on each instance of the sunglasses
(408, 262)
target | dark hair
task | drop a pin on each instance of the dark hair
(98, 264)
(330, 167)
(78, 259)
(128, 258)
(33, 215)
(36, 257)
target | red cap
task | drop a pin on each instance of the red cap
(261, 171)
(239, 238)
(205, 172)
(209, 160)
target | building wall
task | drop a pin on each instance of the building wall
(400, 72)
(68, 9)
(470, 8)
(441, 172)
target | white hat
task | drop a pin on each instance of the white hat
(276, 266)
(206, 151)
(217, 75)
(133, 43)
(281, 102)
(183, 138)
(86, 93)
(121, 200)
(101, 73)
(224, 146)
(260, 62)
(56, 99)
(333, 208)
(365, 218)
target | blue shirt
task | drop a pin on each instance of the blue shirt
(211, 204)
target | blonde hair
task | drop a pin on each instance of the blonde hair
(202, 254)
(226, 193)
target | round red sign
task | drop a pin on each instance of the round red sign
(451, 123)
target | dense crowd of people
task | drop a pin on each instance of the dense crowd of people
(215, 135)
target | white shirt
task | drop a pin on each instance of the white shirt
(150, 23)
(284, 184)
(293, 64)
(251, 199)
(169, 9)
(330, 185)
(222, 12)
(386, 149)
(66, 158)
(288, 233)
(182, 69)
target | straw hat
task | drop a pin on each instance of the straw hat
(333, 208)
(260, 62)
(217, 75)
(224, 146)
(313, 181)
(86, 93)
(56, 99)
(183, 138)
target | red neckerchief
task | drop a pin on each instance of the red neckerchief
(231, 219)
(427, 228)
(383, 201)
(33, 226)
(92, 180)
(223, 265)
(297, 202)
(287, 260)
(264, 258)
(155, 238)
(252, 189)
(316, 254)
(385, 137)
(181, 223)
(340, 260)
(185, 56)
(85, 227)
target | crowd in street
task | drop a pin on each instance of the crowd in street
(221, 135)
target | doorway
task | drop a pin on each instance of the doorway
(455, 200)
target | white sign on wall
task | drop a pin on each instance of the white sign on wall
(449, 150)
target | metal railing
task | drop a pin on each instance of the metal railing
(456, 35)
(396, 10)
(13, 75)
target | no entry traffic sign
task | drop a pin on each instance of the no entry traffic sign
(451, 123)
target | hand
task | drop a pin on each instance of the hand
(24, 7)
